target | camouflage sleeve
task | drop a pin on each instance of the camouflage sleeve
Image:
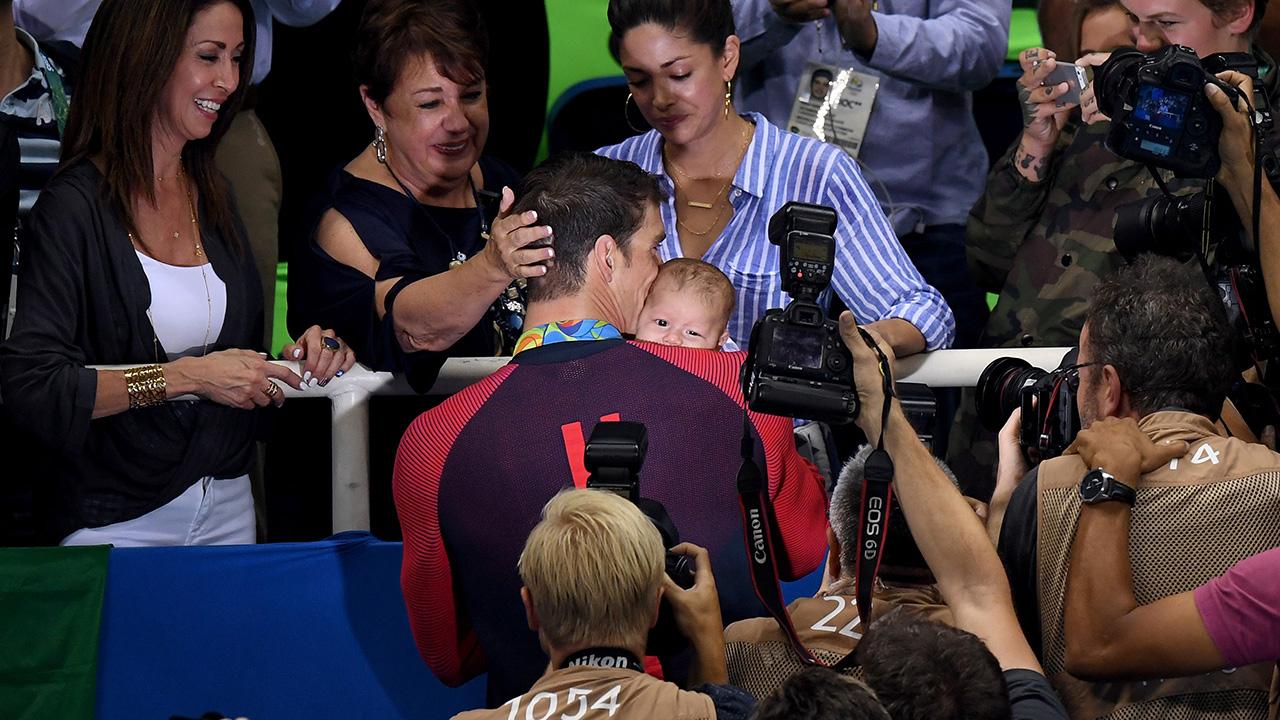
(1006, 213)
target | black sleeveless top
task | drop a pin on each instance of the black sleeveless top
(325, 292)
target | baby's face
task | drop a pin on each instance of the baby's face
(671, 317)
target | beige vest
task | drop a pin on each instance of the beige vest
(1193, 519)
(596, 693)
(760, 657)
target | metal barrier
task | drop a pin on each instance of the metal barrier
(350, 395)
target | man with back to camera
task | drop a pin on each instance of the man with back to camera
(593, 578)
(472, 474)
(1152, 349)
(924, 58)
(760, 655)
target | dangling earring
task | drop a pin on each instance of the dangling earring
(380, 144)
(626, 115)
(728, 97)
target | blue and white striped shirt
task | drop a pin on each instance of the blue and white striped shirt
(873, 275)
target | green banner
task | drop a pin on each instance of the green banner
(50, 615)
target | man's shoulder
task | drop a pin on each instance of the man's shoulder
(710, 365)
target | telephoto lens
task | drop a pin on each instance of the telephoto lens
(1000, 390)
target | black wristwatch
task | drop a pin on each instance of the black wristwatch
(1098, 486)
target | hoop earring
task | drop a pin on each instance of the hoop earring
(380, 144)
(626, 115)
(728, 97)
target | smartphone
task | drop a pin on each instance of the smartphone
(1075, 78)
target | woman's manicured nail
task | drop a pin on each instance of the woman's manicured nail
(306, 377)
(297, 353)
(340, 373)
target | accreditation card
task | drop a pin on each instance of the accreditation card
(833, 104)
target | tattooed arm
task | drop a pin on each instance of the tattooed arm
(1042, 115)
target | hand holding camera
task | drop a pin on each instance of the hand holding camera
(1236, 145)
(697, 608)
(866, 372)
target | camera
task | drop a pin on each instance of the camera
(797, 364)
(1159, 112)
(614, 454)
(1050, 421)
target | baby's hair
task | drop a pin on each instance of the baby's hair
(705, 279)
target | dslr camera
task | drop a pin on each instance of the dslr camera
(797, 364)
(1159, 113)
(614, 454)
(1050, 421)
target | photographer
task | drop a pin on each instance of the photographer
(1230, 621)
(1043, 234)
(593, 577)
(760, 655)
(1152, 350)
(472, 474)
(954, 544)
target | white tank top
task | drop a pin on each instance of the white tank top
(183, 312)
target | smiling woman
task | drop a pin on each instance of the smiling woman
(137, 257)
(412, 256)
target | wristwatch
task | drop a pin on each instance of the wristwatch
(1099, 486)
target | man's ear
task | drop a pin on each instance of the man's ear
(530, 613)
(1239, 24)
(1114, 402)
(833, 554)
(605, 256)
(372, 107)
(657, 607)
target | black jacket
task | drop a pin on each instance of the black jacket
(82, 301)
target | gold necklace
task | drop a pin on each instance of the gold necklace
(718, 201)
(199, 249)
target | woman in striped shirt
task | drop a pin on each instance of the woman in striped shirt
(726, 174)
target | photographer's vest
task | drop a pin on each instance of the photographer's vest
(1194, 518)
(760, 657)
(591, 692)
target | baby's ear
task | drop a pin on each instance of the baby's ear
(724, 337)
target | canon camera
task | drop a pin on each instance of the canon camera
(1050, 421)
(1159, 112)
(797, 364)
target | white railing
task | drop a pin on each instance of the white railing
(350, 395)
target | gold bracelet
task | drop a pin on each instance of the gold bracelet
(146, 386)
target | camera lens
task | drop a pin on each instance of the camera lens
(1115, 81)
(1000, 387)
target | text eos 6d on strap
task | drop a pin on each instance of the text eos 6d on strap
(797, 364)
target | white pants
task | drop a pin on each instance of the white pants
(210, 512)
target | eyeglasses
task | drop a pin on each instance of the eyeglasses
(1071, 374)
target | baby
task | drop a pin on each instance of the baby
(688, 305)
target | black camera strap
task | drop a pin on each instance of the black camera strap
(877, 492)
(758, 535)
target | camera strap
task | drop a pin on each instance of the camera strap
(758, 535)
(877, 492)
(757, 530)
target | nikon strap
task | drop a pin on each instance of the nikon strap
(757, 526)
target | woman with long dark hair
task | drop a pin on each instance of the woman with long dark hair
(727, 173)
(138, 257)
